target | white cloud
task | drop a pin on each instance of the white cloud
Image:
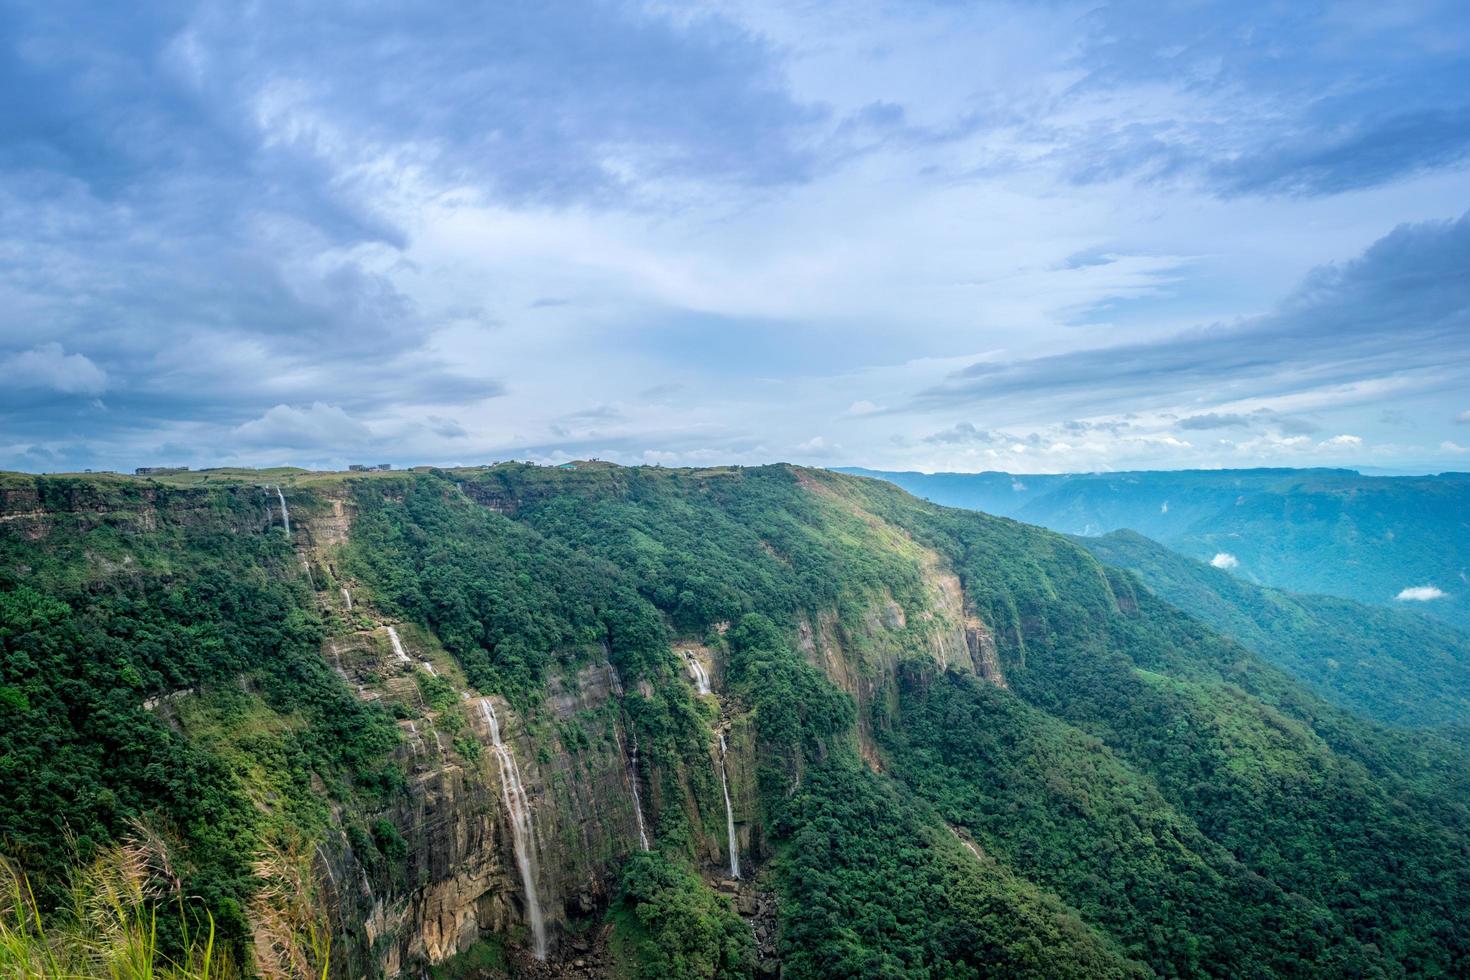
(1225, 560)
(1421, 593)
(1343, 442)
(1164, 507)
(319, 426)
(1453, 447)
(50, 366)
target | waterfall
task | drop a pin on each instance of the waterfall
(729, 814)
(701, 677)
(637, 797)
(615, 682)
(398, 650)
(347, 598)
(285, 514)
(518, 807)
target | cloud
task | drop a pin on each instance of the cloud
(966, 433)
(1342, 442)
(49, 366)
(1225, 560)
(1403, 306)
(1372, 152)
(1463, 418)
(317, 426)
(1421, 593)
(1345, 111)
(1213, 420)
(401, 213)
(446, 428)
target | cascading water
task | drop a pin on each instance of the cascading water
(518, 806)
(285, 514)
(616, 684)
(347, 599)
(701, 676)
(637, 797)
(398, 650)
(729, 815)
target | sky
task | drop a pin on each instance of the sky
(1036, 237)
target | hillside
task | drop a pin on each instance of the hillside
(1332, 532)
(471, 706)
(1393, 665)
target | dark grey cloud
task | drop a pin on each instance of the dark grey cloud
(529, 100)
(1403, 306)
(1300, 99)
(188, 223)
(446, 428)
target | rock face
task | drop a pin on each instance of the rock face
(459, 880)
(864, 658)
(435, 870)
(981, 643)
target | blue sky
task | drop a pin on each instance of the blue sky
(927, 235)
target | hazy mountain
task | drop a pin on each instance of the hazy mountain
(1336, 532)
(1395, 665)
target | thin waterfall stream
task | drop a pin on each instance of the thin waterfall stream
(518, 806)
(729, 814)
(285, 514)
(615, 683)
(398, 650)
(637, 797)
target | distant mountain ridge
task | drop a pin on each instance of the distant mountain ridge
(1329, 531)
(1393, 665)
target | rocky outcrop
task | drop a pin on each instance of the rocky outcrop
(980, 642)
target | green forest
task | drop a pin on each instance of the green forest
(1147, 789)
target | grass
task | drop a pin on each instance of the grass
(111, 929)
(128, 919)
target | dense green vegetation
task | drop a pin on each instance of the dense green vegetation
(672, 925)
(1302, 796)
(103, 612)
(1393, 665)
(1143, 796)
(875, 889)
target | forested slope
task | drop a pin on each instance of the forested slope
(1393, 665)
(937, 743)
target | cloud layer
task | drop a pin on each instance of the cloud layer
(1007, 235)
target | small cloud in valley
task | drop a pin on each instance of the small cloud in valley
(1421, 593)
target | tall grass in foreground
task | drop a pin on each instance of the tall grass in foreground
(110, 928)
